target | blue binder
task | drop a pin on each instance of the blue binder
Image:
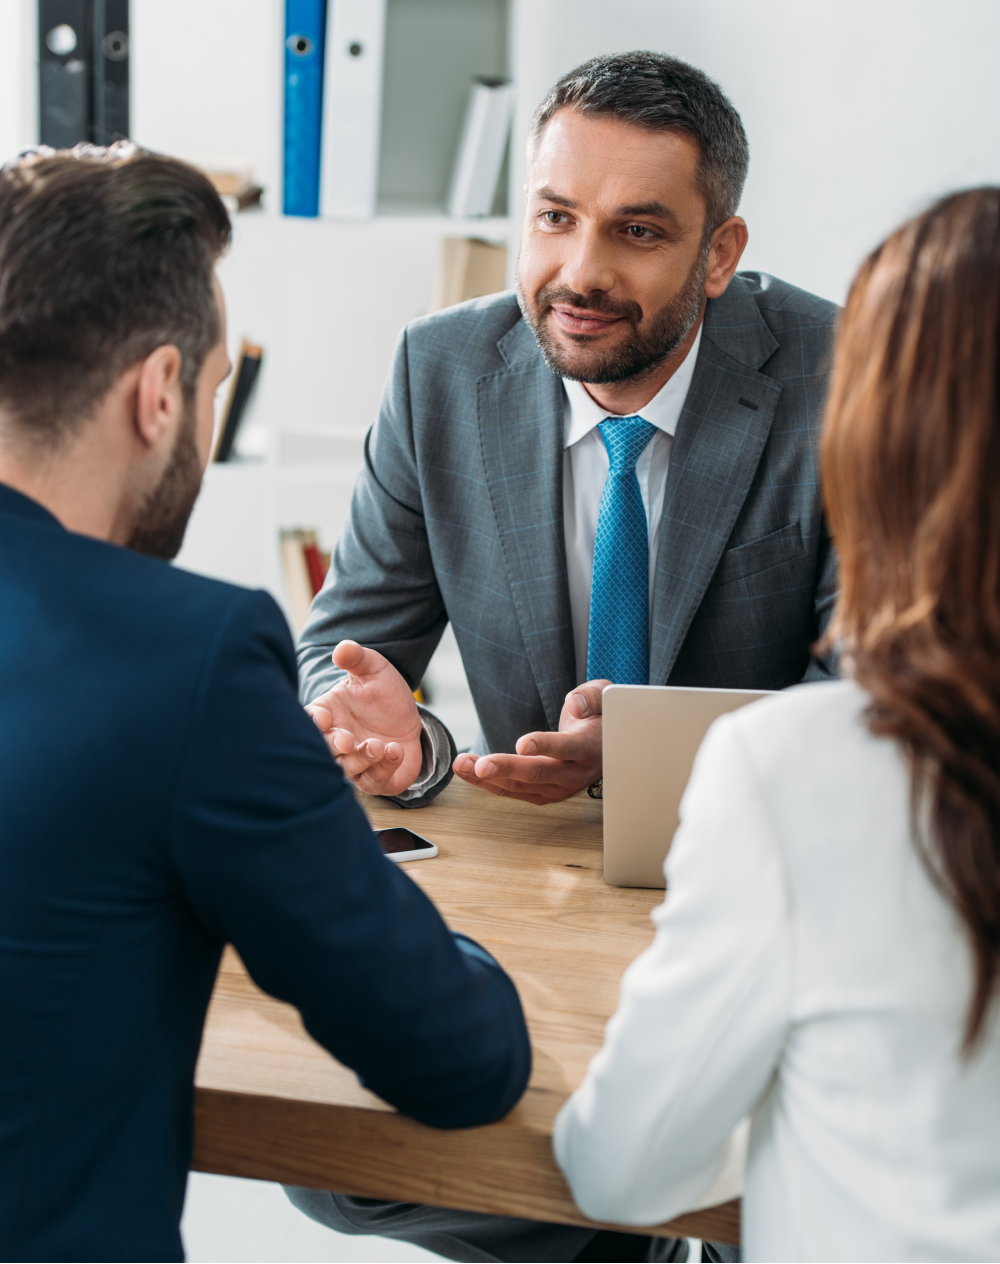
(305, 32)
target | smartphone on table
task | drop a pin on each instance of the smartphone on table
(401, 844)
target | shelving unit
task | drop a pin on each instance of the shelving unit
(328, 298)
(327, 301)
(433, 50)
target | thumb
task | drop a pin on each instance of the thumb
(585, 700)
(351, 657)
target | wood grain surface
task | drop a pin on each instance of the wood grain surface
(527, 883)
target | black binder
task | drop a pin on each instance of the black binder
(110, 79)
(83, 71)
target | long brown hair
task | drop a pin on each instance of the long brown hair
(911, 475)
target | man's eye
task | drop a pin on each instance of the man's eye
(553, 217)
(639, 232)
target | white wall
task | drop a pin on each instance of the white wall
(18, 90)
(858, 111)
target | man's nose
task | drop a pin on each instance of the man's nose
(587, 265)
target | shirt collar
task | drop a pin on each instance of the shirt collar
(582, 413)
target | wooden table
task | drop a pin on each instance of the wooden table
(527, 883)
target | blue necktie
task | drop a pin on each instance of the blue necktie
(618, 643)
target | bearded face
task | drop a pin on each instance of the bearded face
(159, 528)
(650, 340)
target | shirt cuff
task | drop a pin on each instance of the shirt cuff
(439, 752)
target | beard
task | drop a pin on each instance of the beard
(641, 353)
(158, 530)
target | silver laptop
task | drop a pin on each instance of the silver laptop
(651, 736)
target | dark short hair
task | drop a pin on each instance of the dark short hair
(105, 254)
(660, 93)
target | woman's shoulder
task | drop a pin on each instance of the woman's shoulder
(802, 706)
(808, 730)
(811, 745)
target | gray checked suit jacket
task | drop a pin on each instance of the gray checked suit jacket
(458, 512)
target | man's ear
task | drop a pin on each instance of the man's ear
(159, 401)
(728, 243)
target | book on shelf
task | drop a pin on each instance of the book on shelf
(305, 566)
(240, 388)
(468, 268)
(481, 148)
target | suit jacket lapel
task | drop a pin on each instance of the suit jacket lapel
(719, 442)
(521, 431)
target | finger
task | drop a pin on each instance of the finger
(378, 778)
(578, 746)
(366, 761)
(343, 741)
(531, 770)
(465, 764)
(355, 659)
(585, 699)
(320, 716)
(506, 789)
(372, 749)
(379, 752)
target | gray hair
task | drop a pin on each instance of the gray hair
(660, 93)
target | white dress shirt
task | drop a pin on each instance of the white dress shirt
(808, 974)
(585, 471)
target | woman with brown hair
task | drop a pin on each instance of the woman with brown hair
(826, 960)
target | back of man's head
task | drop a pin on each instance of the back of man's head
(661, 93)
(104, 256)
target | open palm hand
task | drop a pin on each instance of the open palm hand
(370, 722)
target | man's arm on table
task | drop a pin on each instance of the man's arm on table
(276, 857)
(703, 1012)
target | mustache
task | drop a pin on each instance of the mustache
(596, 302)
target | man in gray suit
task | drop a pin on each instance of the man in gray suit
(486, 478)
(611, 475)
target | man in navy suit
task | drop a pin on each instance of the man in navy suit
(162, 792)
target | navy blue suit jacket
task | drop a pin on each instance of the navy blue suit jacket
(162, 793)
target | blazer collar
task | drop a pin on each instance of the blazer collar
(720, 439)
(520, 350)
(17, 505)
(734, 323)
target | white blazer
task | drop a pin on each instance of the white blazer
(807, 973)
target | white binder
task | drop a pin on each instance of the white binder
(352, 108)
(481, 148)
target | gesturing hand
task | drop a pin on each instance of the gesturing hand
(547, 766)
(370, 722)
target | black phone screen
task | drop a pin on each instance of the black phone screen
(400, 839)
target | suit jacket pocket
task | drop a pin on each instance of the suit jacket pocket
(776, 549)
